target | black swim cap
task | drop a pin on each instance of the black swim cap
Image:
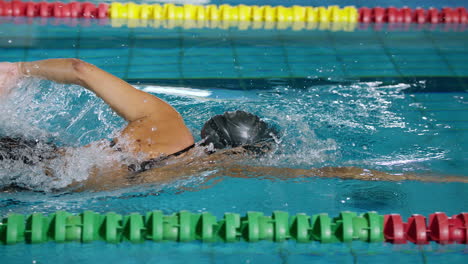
(234, 129)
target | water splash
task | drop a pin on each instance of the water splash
(68, 116)
(325, 125)
(317, 123)
(65, 113)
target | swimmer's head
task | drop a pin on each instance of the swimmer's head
(239, 128)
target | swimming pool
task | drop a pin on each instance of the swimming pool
(387, 100)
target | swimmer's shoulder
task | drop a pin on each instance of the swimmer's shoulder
(157, 138)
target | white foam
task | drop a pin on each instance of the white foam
(45, 111)
(181, 91)
(417, 156)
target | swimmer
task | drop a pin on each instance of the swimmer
(157, 132)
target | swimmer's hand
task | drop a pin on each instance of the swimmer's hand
(9, 75)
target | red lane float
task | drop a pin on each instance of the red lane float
(448, 15)
(378, 14)
(420, 16)
(7, 9)
(394, 15)
(459, 228)
(441, 229)
(75, 9)
(416, 230)
(60, 10)
(463, 15)
(394, 230)
(18, 8)
(407, 15)
(44, 9)
(55, 9)
(89, 10)
(365, 15)
(102, 11)
(433, 16)
(31, 9)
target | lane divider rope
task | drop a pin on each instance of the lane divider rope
(320, 14)
(185, 226)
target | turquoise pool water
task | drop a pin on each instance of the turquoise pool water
(391, 101)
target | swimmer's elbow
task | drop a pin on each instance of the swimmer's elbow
(80, 71)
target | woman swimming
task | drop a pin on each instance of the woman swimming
(157, 133)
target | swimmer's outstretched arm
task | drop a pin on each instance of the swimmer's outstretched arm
(348, 173)
(127, 101)
(149, 117)
(231, 165)
(218, 170)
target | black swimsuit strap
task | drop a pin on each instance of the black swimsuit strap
(149, 164)
(181, 151)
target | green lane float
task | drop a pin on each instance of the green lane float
(185, 226)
